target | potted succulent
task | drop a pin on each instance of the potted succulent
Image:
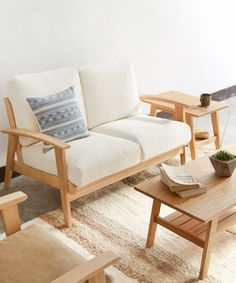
(224, 163)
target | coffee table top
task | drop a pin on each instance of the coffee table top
(220, 195)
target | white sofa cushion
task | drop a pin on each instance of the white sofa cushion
(40, 84)
(154, 135)
(88, 159)
(110, 92)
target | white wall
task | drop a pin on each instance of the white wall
(187, 45)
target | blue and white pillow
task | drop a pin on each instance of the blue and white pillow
(59, 116)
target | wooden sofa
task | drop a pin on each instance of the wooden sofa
(122, 141)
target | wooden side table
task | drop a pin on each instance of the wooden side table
(185, 108)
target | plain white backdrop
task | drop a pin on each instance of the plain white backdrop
(186, 45)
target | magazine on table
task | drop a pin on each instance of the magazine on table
(180, 181)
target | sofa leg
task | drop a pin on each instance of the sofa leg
(66, 209)
(183, 156)
(12, 144)
(99, 277)
(63, 184)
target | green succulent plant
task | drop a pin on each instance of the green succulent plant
(224, 155)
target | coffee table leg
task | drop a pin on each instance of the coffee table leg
(156, 207)
(211, 229)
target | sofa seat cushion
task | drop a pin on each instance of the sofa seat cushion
(154, 135)
(110, 92)
(88, 159)
(33, 255)
(38, 85)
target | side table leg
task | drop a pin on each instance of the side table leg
(211, 229)
(183, 156)
(192, 144)
(156, 207)
(215, 126)
(179, 113)
(153, 111)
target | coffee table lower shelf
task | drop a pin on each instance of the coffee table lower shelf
(198, 232)
(193, 229)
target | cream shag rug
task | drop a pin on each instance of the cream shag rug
(116, 218)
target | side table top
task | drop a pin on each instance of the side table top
(220, 195)
(189, 102)
(197, 111)
(174, 97)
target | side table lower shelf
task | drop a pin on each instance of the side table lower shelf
(202, 142)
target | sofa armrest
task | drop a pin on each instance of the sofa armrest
(12, 199)
(92, 268)
(9, 211)
(37, 136)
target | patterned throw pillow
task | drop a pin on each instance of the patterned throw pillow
(58, 115)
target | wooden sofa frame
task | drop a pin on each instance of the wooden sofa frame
(68, 191)
(92, 270)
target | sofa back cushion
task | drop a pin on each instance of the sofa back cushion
(38, 85)
(110, 92)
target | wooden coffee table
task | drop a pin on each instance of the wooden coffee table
(198, 218)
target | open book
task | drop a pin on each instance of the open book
(179, 180)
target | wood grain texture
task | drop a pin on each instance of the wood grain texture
(9, 211)
(156, 207)
(153, 111)
(11, 220)
(12, 124)
(192, 144)
(12, 199)
(216, 129)
(198, 228)
(166, 100)
(197, 111)
(207, 249)
(93, 268)
(11, 150)
(172, 97)
(183, 157)
(182, 233)
(220, 195)
(63, 185)
(37, 136)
